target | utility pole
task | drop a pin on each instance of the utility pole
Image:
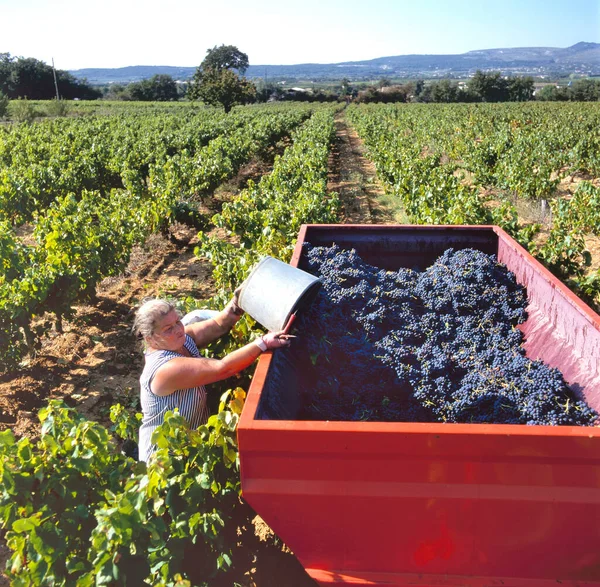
(55, 82)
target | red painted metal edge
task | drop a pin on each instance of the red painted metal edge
(373, 578)
(573, 299)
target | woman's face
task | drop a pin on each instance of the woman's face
(169, 333)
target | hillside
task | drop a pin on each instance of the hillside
(581, 58)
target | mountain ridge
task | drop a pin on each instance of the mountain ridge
(582, 58)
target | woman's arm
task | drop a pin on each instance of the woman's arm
(183, 372)
(208, 330)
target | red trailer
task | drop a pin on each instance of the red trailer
(434, 504)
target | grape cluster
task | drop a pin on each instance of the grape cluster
(436, 345)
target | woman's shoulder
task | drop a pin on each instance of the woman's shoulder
(190, 345)
(156, 359)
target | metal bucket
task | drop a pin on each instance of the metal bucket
(274, 290)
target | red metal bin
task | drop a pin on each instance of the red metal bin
(435, 504)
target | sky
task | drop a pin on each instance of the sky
(80, 34)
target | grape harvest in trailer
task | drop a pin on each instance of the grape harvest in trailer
(423, 346)
(118, 202)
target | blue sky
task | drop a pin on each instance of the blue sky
(117, 33)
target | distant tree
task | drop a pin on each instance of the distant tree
(115, 92)
(584, 90)
(395, 93)
(226, 57)
(389, 94)
(159, 88)
(490, 87)
(215, 81)
(444, 91)
(552, 93)
(384, 82)
(30, 78)
(520, 89)
(369, 95)
(70, 87)
(223, 88)
(346, 88)
(465, 94)
(5, 69)
(138, 91)
(27, 77)
(419, 84)
(164, 88)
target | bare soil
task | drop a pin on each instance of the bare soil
(354, 178)
(96, 360)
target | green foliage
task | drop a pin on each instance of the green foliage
(443, 163)
(585, 90)
(564, 252)
(84, 235)
(22, 110)
(385, 94)
(78, 512)
(267, 216)
(445, 91)
(490, 87)
(588, 286)
(216, 83)
(159, 88)
(552, 93)
(49, 491)
(222, 88)
(125, 424)
(4, 103)
(520, 89)
(22, 77)
(225, 57)
(57, 108)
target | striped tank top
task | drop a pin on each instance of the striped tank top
(191, 402)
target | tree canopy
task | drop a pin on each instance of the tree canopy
(22, 77)
(215, 81)
(159, 88)
(225, 57)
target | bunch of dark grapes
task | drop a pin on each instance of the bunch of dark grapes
(437, 345)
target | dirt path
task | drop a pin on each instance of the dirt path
(354, 178)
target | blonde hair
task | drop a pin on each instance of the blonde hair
(148, 315)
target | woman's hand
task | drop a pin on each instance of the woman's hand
(233, 306)
(276, 340)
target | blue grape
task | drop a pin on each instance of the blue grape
(424, 346)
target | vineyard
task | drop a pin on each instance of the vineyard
(486, 164)
(92, 202)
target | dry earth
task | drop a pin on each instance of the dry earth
(354, 178)
(96, 360)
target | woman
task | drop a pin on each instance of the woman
(174, 374)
